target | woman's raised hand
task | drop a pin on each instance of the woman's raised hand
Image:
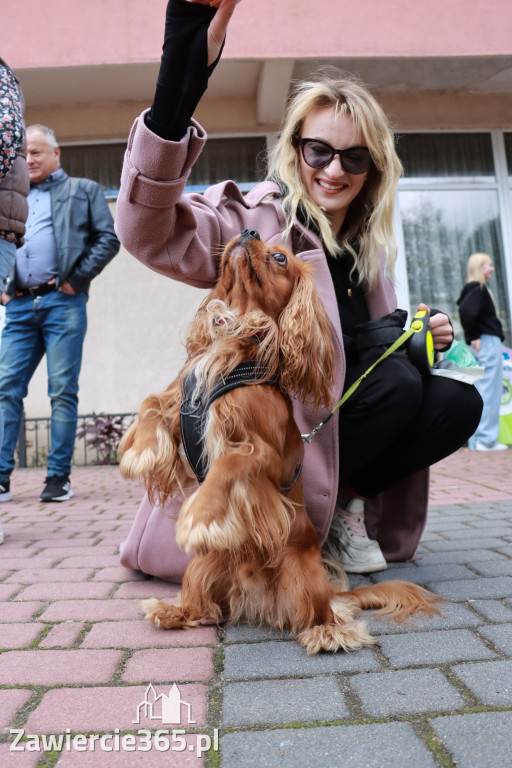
(218, 25)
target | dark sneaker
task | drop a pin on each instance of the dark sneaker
(57, 488)
(5, 490)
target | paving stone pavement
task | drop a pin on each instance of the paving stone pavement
(76, 658)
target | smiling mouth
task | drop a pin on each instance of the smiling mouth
(331, 187)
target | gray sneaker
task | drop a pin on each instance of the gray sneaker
(348, 543)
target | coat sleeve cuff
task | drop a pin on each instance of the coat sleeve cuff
(156, 170)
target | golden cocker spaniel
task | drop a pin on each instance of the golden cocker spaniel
(257, 555)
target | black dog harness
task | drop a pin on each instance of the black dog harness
(193, 412)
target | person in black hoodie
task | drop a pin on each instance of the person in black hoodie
(484, 332)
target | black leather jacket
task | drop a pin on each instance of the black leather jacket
(83, 228)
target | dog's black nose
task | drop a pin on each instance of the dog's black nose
(250, 234)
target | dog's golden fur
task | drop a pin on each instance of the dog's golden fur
(257, 555)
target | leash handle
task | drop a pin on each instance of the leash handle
(421, 348)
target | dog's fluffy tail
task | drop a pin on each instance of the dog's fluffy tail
(396, 599)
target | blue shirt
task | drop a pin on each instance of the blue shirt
(37, 261)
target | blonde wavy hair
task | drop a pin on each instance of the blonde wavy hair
(476, 267)
(369, 221)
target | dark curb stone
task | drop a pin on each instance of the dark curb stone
(423, 574)
(244, 633)
(500, 635)
(454, 616)
(476, 543)
(434, 648)
(468, 556)
(409, 691)
(493, 610)
(494, 568)
(242, 662)
(482, 740)
(283, 701)
(491, 681)
(384, 745)
(472, 589)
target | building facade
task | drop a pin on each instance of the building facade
(442, 71)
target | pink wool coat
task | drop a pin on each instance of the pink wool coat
(176, 234)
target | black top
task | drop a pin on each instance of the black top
(184, 70)
(350, 296)
(478, 313)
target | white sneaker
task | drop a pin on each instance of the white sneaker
(1, 532)
(348, 543)
(479, 446)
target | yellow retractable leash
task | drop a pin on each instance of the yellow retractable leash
(420, 351)
(421, 345)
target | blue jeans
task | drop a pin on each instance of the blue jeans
(490, 388)
(54, 324)
(7, 261)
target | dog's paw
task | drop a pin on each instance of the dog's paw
(203, 538)
(336, 637)
(151, 609)
(166, 615)
(134, 464)
(200, 528)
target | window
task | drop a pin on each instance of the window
(100, 162)
(450, 208)
(438, 156)
(241, 159)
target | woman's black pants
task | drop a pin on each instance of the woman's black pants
(398, 422)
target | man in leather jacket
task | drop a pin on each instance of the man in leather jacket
(69, 239)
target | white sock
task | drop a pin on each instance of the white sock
(356, 507)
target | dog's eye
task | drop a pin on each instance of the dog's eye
(280, 258)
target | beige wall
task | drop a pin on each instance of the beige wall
(103, 122)
(410, 111)
(136, 320)
(443, 111)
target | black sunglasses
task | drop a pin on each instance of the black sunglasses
(319, 154)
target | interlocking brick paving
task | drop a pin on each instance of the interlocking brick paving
(76, 654)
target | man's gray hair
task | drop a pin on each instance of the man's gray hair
(51, 139)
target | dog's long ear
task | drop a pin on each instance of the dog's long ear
(306, 345)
